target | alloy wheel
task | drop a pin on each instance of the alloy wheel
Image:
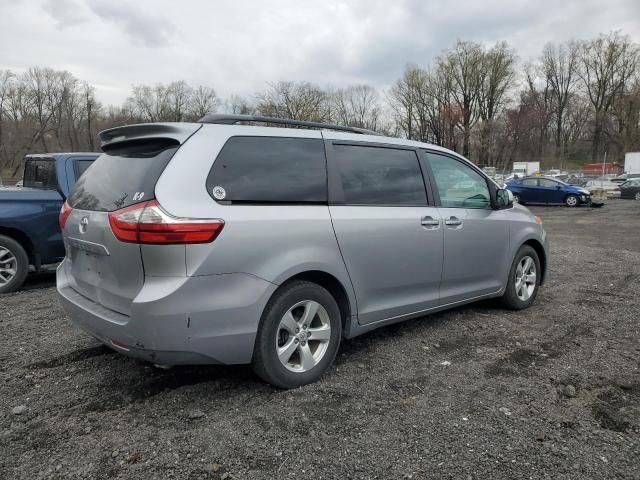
(525, 283)
(637, 195)
(303, 336)
(572, 201)
(8, 266)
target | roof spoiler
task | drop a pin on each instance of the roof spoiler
(178, 132)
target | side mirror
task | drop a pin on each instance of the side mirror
(504, 198)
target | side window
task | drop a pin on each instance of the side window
(530, 182)
(459, 185)
(545, 182)
(269, 170)
(380, 176)
(40, 174)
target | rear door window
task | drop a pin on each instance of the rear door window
(269, 170)
(545, 182)
(40, 174)
(379, 176)
(530, 182)
(124, 175)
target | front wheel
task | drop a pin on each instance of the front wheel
(524, 279)
(14, 264)
(571, 201)
(637, 196)
(298, 336)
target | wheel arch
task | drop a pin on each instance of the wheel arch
(537, 246)
(22, 238)
(333, 286)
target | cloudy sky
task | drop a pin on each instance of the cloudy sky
(237, 46)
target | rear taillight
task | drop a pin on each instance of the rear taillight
(65, 211)
(149, 223)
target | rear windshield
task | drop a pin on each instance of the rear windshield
(123, 176)
(41, 174)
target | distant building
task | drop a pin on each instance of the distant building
(602, 169)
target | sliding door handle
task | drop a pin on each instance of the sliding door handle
(430, 222)
(453, 222)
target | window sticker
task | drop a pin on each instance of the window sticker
(219, 193)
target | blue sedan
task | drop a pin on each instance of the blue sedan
(547, 190)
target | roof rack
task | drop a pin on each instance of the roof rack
(226, 119)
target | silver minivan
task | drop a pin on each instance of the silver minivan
(224, 243)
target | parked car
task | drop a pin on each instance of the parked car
(620, 179)
(209, 242)
(612, 188)
(630, 189)
(547, 190)
(29, 230)
(577, 181)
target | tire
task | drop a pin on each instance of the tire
(571, 200)
(517, 299)
(14, 264)
(300, 365)
(517, 199)
(637, 196)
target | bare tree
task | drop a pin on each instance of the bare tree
(239, 105)
(203, 100)
(560, 66)
(496, 77)
(357, 106)
(298, 101)
(608, 63)
(463, 64)
(7, 80)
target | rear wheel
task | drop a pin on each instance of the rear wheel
(14, 264)
(516, 198)
(524, 279)
(298, 336)
(571, 201)
(637, 196)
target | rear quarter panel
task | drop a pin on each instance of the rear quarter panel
(272, 242)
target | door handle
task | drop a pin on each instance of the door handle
(429, 222)
(453, 221)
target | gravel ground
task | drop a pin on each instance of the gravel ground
(476, 392)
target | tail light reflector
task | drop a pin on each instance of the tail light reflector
(148, 223)
(65, 211)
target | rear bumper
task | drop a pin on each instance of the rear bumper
(177, 320)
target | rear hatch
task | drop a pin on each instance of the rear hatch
(100, 266)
